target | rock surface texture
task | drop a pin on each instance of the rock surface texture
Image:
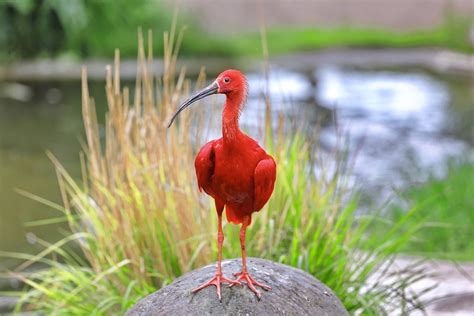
(294, 292)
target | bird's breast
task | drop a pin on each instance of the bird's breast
(233, 178)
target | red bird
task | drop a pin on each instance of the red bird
(234, 170)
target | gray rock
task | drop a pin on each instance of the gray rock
(7, 304)
(294, 292)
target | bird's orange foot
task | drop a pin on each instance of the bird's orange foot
(251, 282)
(216, 281)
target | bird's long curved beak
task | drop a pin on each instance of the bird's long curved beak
(209, 90)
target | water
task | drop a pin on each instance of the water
(399, 122)
(45, 116)
(403, 119)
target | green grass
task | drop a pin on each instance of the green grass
(446, 206)
(451, 35)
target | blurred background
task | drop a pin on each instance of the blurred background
(396, 76)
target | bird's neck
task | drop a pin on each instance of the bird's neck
(230, 118)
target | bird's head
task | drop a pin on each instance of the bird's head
(230, 82)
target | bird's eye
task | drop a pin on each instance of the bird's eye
(226, 79)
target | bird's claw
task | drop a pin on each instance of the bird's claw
(251, 282)
(216, 281)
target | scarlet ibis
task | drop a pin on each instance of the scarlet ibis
(234, 170)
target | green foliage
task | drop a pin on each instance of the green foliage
(71, 286)
(86, 28)
(94, 28)
(312, 223)
(445, 206)
(113, 23)
(451, 34)
(35, 27)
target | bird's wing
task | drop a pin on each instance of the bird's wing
(264, 180)
(204, 165)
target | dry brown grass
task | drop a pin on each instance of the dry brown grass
(137, 185)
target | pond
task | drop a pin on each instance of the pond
(400, 121)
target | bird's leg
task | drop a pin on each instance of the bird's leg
(218, 278)
(244, 274)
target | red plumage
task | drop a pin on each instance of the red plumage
(241, 176)
(234, 170)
